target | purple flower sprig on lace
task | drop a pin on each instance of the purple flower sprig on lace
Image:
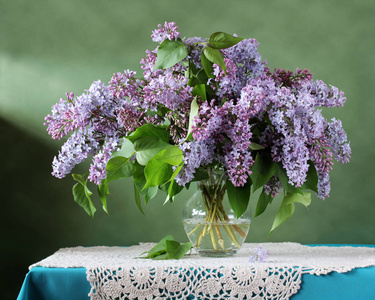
(201, 105)
(261, 256)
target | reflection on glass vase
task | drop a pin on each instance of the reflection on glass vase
(209, 221)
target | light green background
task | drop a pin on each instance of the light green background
(51, 47)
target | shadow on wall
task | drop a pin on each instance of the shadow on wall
(34, 215)
(39, 216)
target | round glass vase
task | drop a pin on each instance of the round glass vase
(210, 223)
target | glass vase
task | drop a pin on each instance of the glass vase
(210, 223)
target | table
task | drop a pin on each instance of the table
(71, 283)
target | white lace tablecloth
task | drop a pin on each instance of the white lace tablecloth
(116, 273)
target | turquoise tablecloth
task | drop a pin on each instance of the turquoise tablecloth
(63, 284)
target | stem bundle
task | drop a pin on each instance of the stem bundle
(213, 190)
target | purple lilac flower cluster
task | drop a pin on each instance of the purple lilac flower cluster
(261, 255)
(246, 104)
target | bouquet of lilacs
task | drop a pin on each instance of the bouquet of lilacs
(203, 105)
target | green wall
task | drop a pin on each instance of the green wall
(51, 47)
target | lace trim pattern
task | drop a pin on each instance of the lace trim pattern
(116, 273)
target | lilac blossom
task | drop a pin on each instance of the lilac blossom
(126, 85)
(129, 117)
(290, 79)
(338, 141)
(280, 110)
(226, 80)
(196, 154)
(238, 159)
(261, 255)
(273, 187)
(248, 60)
(60, 122)
(168, 32)
(169, 90)
(75, 150)
(148, 63)
(100, 160)
(324, 95)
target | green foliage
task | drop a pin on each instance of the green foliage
(311, 179)
(103, 191)
(287, 207)
(200, 174)
(194, 108)
(137, 198)
(196, 76)
(127, 149)
(174, 189)
(200, 91)
(175, 250)
(82, 194)
(207, 66)
(147, 147)
(157, 173)
(262, 171)
(239, 197)
(118, 167)
(159, 169)
(215, 56)
(168, 248)
(262, 203)
(170, 53)
(255, 146)
(151, 131)
(222, 40)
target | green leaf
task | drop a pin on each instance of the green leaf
(222, 40)
(149, 193)
(283, 177)
(176, 250)
(161, 256)
(287, 207)
(174, 189)
(255, 146)
(159, 247)
(285, 211)
(215, 56)
(147, 147)
(118, 167)
(157, 172)
(262, 170)
(196, 75)
(149, 130)
(239, 197)
(140, 181)
(304, 198)
(127, 149)
(207, 66)
(103, 191)
(170, 53)
(176, 171)
(311, 179)
(200, 91)
(194, 109)
(137, 199)
(172, 155)
(200, 174)
(139, 175)
(262, 203)
(80, 178)
(82, 195)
